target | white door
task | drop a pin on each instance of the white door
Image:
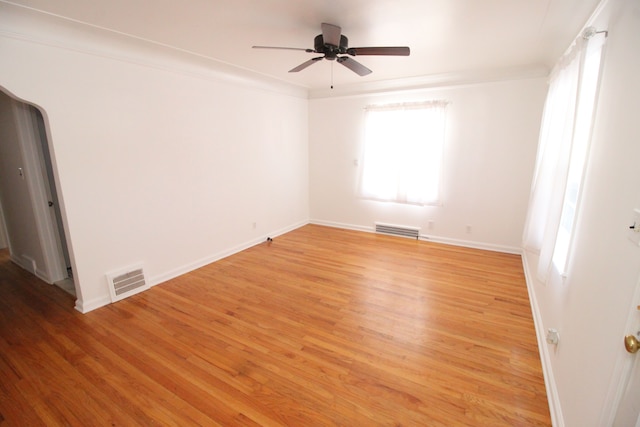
(628, 413)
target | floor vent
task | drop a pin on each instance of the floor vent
(123, 284)
(397, 230)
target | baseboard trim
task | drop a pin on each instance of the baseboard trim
(86, 306)
(472, 244)
(29, 264)
(332, 224)
(555, 407)
(156, 280)
(437, 239)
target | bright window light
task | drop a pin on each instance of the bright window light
(579, 150)
(403, 152)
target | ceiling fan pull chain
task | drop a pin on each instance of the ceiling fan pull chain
(332, 74)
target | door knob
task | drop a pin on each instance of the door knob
(631, 343)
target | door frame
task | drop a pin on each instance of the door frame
(48, 231)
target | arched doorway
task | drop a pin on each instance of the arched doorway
(30, 213)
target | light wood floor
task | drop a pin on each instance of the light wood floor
(321, 327)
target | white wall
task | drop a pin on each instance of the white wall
(161, 158)
(169, 160)
(492, 134)
(591, 308)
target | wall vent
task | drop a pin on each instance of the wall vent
(124, 283)
(398, 230)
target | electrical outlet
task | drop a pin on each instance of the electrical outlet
(553, 336)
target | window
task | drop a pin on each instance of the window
(577, 160)
(563, 151)
(403, 152)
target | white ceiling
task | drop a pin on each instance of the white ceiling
(445, 36)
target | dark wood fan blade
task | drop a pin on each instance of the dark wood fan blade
(331, 34)
(354, 66)
(305, 64)
(392, 51)
(282, 48)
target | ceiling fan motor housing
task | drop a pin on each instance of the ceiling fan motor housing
(330, 51)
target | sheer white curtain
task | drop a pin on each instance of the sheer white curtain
(562, 153)
(403, 148)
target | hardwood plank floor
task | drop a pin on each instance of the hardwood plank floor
(320, 327)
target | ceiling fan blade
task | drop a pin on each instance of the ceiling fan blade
(393, 51)
(331, 34)
(354, 66)
(305, 64)
(283, 48)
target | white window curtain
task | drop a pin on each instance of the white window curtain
(403, 149)
(562, 153)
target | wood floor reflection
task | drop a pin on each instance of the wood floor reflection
(320, 327)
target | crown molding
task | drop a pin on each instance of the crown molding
(30, 25)
(445, 80)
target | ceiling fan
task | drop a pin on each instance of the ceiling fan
(332, 43)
